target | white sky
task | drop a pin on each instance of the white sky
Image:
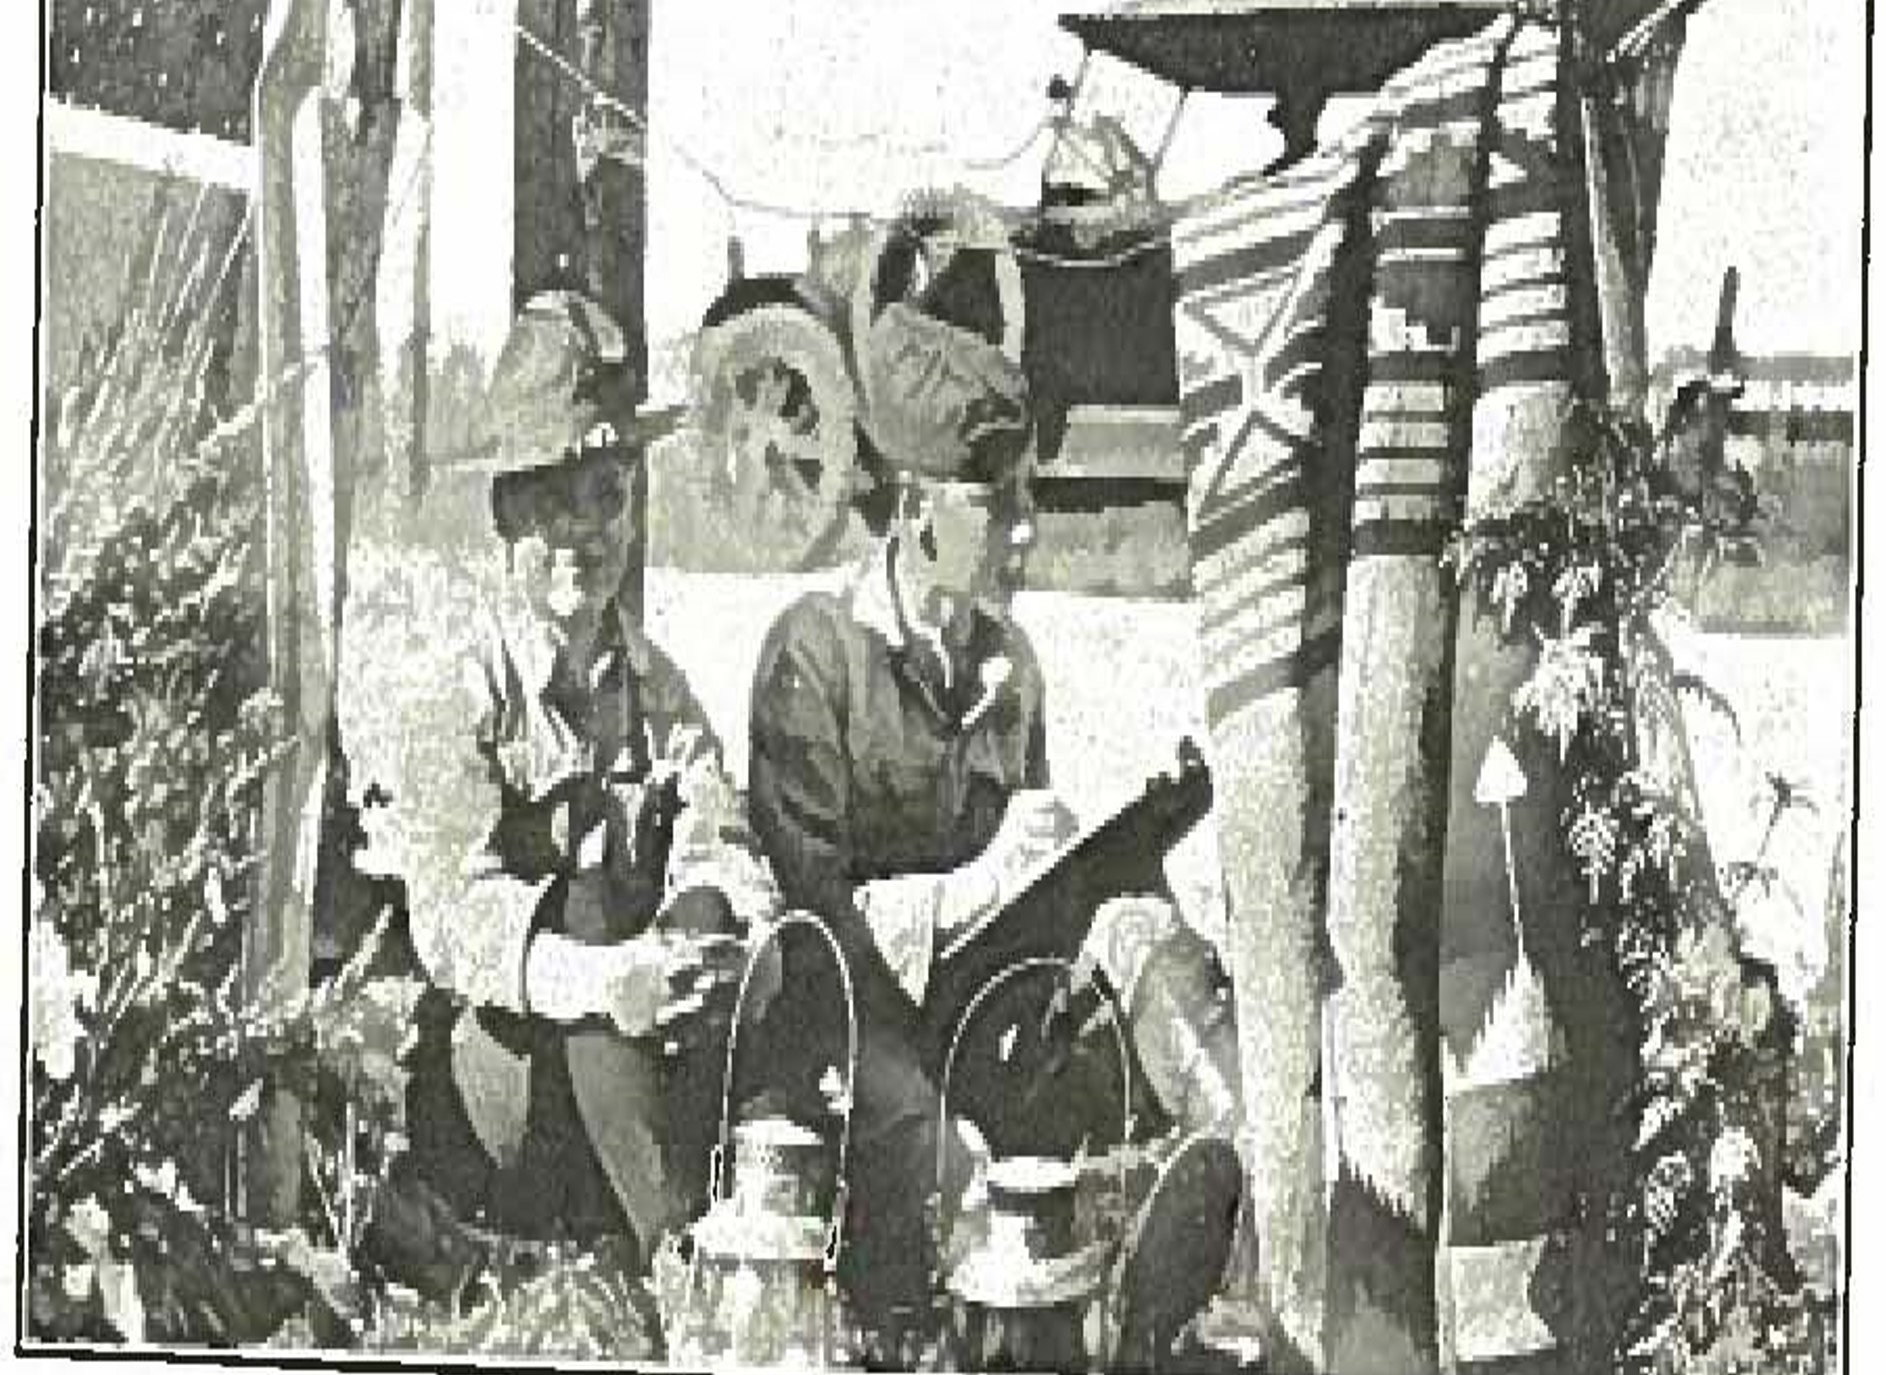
(1764, 172)
(830, 105)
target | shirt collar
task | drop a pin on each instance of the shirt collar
(871, 600)
(877, 606)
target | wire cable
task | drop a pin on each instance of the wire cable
(735, 201)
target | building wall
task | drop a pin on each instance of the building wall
(98, 219)
(185, 67)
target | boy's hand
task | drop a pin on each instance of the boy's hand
(1035, 828)
(660, 984)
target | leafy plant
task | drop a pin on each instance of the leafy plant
(156, 733)
(564, 1304)
(1587, 573)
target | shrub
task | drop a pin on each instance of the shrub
(156, 732)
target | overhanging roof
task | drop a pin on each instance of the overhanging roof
(1254, 46)
(1251, 46)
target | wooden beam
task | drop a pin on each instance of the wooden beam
(85, 133)
(278, 942)
(584, 225)
(1134, 443)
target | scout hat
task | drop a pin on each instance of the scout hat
(936, 348)
(561, 395)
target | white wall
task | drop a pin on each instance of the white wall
(1763, 172)
(472, 181)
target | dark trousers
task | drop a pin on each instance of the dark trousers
(557, 1186)
(617, 1135)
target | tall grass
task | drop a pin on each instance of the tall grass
(155, 731)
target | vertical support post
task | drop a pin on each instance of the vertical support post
(1624, 112)
(1620, 307)
(292, 385)
(622, 211)
(406, 248)
(581, 179)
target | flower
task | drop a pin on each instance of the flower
(1565, 687)
(164, 1181)
(994, 674)
(89, 1226)
(246, 1103)
(1705, 973)
(1732, 1159)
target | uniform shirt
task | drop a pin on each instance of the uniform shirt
(477, 784)
(870, 761)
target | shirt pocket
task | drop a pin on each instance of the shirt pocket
(997, 752)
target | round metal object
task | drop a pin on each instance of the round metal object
(781, 1169)
(758, 1287)
(774, 417)
(1031, 1206)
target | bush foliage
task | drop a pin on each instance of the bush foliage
(156, 733)
(1588, 574)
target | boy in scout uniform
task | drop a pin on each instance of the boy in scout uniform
(574, 867)
(899, 773)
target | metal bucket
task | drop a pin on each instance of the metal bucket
(759, 1286)
(1031, 1205)
(781, 1169)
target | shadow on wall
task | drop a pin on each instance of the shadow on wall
(102, 223)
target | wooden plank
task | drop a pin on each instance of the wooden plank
(1131, 443)
(279, 939)
(84, 133)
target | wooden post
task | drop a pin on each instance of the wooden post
(405, 334)
(1624, 111)
(325, 125)
(292, 383)
(337, 221)
(582, 220)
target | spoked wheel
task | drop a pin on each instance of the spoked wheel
(775, 415)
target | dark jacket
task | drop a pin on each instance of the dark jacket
(861, 765)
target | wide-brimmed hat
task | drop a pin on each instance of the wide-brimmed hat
(943, 398)
(561, 397)
(564, 383)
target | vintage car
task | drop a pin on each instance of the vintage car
(775, 396)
